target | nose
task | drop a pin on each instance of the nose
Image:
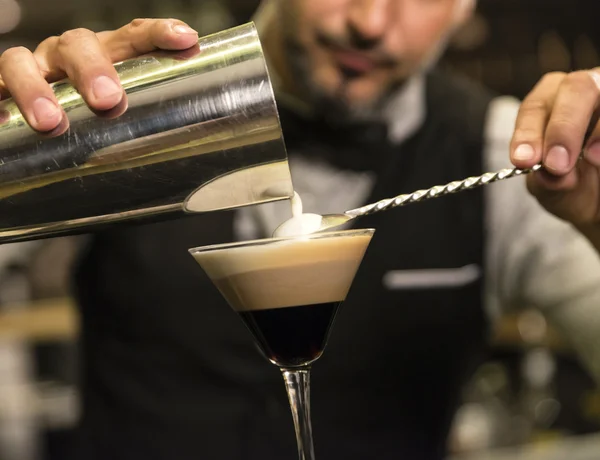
(368, 19)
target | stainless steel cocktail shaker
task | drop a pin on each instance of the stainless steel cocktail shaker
(201, 133)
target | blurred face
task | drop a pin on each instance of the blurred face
(350, 53)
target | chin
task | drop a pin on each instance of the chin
(360, 95)
(343, 99)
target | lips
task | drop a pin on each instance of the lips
(354, 61)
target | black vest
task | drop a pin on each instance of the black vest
(170, 372)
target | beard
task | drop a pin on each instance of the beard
(334, 107)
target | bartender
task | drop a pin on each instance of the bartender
(169, 372)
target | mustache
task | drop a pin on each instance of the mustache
(371, 49)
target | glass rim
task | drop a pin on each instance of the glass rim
(262, 241)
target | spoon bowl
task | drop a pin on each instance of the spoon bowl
(305, 224)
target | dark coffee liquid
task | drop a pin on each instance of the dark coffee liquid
(292, 336)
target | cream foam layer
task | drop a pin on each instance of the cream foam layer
(286, 273)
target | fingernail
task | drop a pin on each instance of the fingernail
(185, 30)
(524, 152)
(105, 87)
(557, 159)
(592, 153)
(44, 109)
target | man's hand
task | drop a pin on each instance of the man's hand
(86, 58)
(558, 121)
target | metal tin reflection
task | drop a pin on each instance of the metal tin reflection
(201, 133)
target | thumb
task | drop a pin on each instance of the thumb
(574, 197)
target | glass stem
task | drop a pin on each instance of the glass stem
(297, 385)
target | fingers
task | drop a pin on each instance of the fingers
(87, 60)
(527, 145)
(81, 56)
(550, 182)
(551, 128)
(32, 94)
(576, 201)
(592, 150)
(3, 90)
(144, 35)
(576, 101)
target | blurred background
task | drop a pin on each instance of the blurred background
(531, 401)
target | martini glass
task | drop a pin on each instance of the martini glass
(287, 291)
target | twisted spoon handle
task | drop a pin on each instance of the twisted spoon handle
(440, 190)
